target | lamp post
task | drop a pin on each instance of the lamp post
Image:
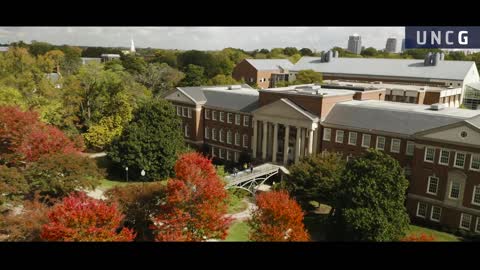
(126, 170)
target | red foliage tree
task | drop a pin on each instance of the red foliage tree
(195, 204)
(23, 137)
(419, 238)
(277, 218)
(81, 218)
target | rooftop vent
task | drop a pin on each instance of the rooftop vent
(377, 82)
(233, 87)
(437, 107)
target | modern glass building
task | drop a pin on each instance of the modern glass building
(471, 98)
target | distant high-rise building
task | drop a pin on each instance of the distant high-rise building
(355, 44)
(403, 45)
(391, 46)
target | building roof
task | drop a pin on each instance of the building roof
(113, 55)
(309, 90)
(270, 64)
(392, 117)
(380, 85)
(475, 85)
(410, 68)
(475, 121)
(3, 48)
(239, 98)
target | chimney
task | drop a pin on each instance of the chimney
(435, 59)
(428, 59)
(335, 54)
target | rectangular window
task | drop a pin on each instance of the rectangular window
(380, 143)
(179, 111)
(222, 117)
(476, 195)
(221, 153)
(207, 133)
(459, 160)
(245, 141)
(229, 118)
(214, 115)
(185, 112)
(429, 154)
(410, 148)
(327, 134)
(366, 140)
(229, 137)
(207, 114)
(352, 138)
(187, 131)
(245, 120)
(421, 209)
(214, 134)
(395, 146)
(454, 190)
(339, 136)
(444, 157)
(220, 136)
(436, 213)
(465, 221)
(235, 156)
(237, 139)
(432, 185)
(237, 119)
(229, 155)
(189, 112)
(213, 151)
(475, 162)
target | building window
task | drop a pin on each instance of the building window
(222, 117)
(465, 221)
(454, 190)
(429, 154)
(207, 133)
(327, 134)
(221, 153)
(185, 112)
(235, 156)
(477, 226)
(220, 136)
(476, 195)
(237, 139)
(352, 138)
(229, 118)
(459, 160)
(366, 139)
(213, 151)
(432, 185)
(444, 157)
(349, 157)
(421, 209)
(380, 143)
(214, 115)
(214, 134)
(436, 213)
(245, 141)
(229, 155)
(207, 114)
(189, 112)
(187, 131)
(475, 162)
(179, 111)
(339, 136)
(237, 119)
(410, 148)
(245, 120)
(407, 170)
(395, 147)
(229, 137)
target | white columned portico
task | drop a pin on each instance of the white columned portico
(297, 145)
(254, 139)
(275, 142)
(310, 141)
(302, 149)
(264, 140)
(285, 144)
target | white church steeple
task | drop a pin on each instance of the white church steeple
(132, 46)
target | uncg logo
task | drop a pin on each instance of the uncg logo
(442, 37)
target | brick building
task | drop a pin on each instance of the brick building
(263, 72)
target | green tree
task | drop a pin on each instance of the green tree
(11, 96)
(308, 76)
(290, 51)
(369, 52)
(194, 76)
(168, 57)
(133, 64)
(372, 197)
(160, 78)
(151, 141)
(306, 52)
(37, 48)
(12, 185)
(294, 58)
(222, 80)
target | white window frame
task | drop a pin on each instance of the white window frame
(179, 110)
(245, 140)
(329, 134)
(392, 144)
(337, 132)
(220, 136)
(229, 155)
(440, 158)
(207, 133)
(477, 228)
(237, 138)
(246, 119)
(184, 111)
(222, 116)
(407, 152)
(369, 140)
(430, 178)
(187, 131)
(221, 153)
(384, 143)
(451, 188)
(207, 114)
(475, 188)
(189, 111)
(431, 213)
(235, 156)
(229, 137)
(229, 118)
(238, 119)
(214, 134)
(462, 215)
(456, 157)
(471, 162)
(425, 156)
(214, 115)
(352, 135)
(418, 208)
(213, 151)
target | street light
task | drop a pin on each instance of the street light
(126, 170)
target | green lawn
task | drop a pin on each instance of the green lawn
(238, 232)
(109, 184)
(439, 236)
(236, 202)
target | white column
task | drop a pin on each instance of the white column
(297, 145)
(275, 142)
(264, 140)
(310, 142)
(302, 150)
(254, 139)
(315, 141)
(285, 144)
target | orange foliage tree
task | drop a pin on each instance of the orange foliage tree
(277, 218)
(195, 204)
(419, 238)
(81, 218)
